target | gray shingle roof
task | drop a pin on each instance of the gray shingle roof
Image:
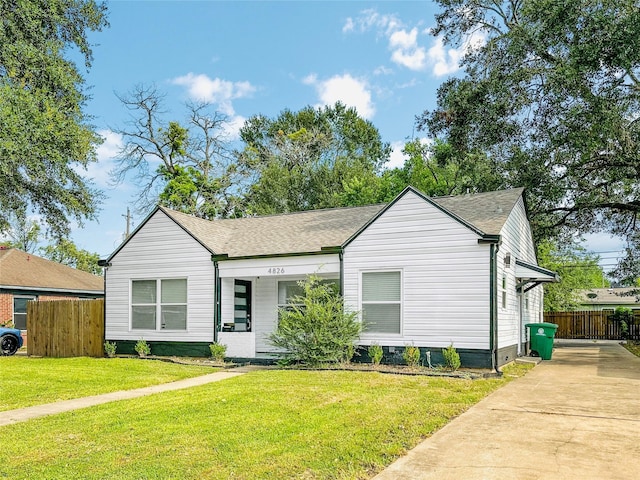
(300, 232)
(25, 270)
(609, 296)
(486, 211)
(311, 231)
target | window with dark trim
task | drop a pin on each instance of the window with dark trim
(20, 311)
(159, 304)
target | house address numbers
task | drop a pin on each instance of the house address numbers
(276, 271)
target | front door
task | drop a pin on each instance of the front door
(242, 306)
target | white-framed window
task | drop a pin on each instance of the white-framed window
(504, 292)
(381, 302)
(289, 289)
(20, 311)
(159, 304)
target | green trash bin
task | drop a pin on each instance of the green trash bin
(541, 336)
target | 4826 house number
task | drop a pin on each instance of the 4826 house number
(276, 271)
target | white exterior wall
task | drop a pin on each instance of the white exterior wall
(159, 250)
(264, 274)
(516, 240)
(445, 275)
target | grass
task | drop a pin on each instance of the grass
(264, 424)
(27, 381)
(633, 347)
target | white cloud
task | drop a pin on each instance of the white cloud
(106, 153)
(382, 70)
(233, 126)
(351, 91)
(446, 61)
(404, 43)
(397, 157)
(405, 49)
(370, 19)
(215, 90)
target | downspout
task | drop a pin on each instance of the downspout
(105, 265)
(341, 257)
(217, 290)
(520, 293)
(493, 305)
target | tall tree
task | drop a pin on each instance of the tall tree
(434, 169)
(67, 253)
(44, 135)
(552, 97)
(196, 173)
(23, 233)
(303, 160)
(578, 269)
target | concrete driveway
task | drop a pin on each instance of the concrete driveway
(576, 416)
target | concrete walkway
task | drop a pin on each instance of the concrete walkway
(576, 416)
(24, 414)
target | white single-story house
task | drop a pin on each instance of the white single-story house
(420, 271)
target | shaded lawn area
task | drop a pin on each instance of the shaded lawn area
(27, 381)
(633, 347)
(265, 424)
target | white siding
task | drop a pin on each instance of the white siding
(445, 275)
(161, 249)
(280, 266)
(516, 240)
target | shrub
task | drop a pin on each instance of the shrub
(218, 351)
(623, 316)
(110, 349)
(142, 347)
(411, 355)
(315, 328)
(451, 358)
(375, 353)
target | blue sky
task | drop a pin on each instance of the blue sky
(251, 58)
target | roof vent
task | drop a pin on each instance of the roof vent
(592, 295)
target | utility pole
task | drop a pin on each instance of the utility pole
(128, 217)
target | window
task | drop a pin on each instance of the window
(20, 312)
(289, 289)
(381, 302)
(170, 310)
(504, 292)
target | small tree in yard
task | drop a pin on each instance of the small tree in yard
(315, 328)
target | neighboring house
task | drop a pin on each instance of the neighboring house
(422, 271)
(24, 277)
(608, 299)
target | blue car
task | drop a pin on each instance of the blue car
(10, 340)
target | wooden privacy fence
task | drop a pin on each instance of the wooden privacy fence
(66, 328)
(591, 325)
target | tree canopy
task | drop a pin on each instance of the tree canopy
(67, 253)
(578, 270)
(308, 159)
(45, 138)
(552, 99)
(196, 174)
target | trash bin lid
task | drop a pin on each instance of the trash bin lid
(542, 324)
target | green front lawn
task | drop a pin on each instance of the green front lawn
(265, 424)
(27, 381)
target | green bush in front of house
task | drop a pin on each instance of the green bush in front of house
(315, 328)
(451, 358)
